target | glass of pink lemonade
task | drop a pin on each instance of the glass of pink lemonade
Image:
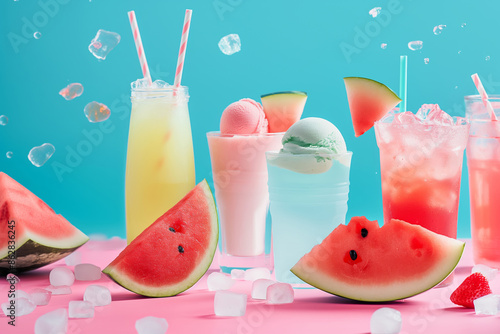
(483, 162)
(421, 165)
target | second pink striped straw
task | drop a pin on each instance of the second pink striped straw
(484, 96)
(139, 47)
(182, 50)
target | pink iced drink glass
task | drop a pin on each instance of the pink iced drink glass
(483, 162)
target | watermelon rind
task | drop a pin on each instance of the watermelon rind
(283, 109)
(306, 270)
(288, 92)
(167, 290)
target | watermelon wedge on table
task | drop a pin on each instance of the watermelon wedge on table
(32, 229)
(365, 262)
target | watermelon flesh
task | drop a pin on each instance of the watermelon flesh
(174, 252)
(369, 101)
(283, 109)
(41, 235)
(365, 262)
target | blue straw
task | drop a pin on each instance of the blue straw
(402, 82)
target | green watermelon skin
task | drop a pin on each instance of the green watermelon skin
(392, 262)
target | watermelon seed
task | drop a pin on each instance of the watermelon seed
(171, 229)
(352, 254)
(181, 249)
(364, 232)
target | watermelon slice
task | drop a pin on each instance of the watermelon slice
(282, 109)
(369, 101)
(363, 262)
(174, 252)
(41, 235)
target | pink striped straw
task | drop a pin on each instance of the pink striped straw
(139, 47)
(182, 50)
(484, 96)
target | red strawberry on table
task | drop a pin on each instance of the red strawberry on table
(473, 287)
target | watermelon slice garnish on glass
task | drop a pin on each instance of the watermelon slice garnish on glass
(369, 101)
(365, 262)
(173, 253)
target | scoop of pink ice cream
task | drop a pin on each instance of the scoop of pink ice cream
(243, 117)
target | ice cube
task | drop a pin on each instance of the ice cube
(375, 11)
(71, 91)
(4, 120)
(52, 322)
(151, 325)
(230, 304)
(87, 272)
(230, 44)
(259, 288)
(237, 274)
(19, 294)
(406, 117)
(415, 45)
(383, 46)
(489, 273)
(140, 84)
(487, 305)
(426, 61)
(256, 273)
(18, 307)
(438, 29)
(40, 154)
(96, 112)
(73, 259)
(61, 276)
(219, 281)
(98, 295)
(59, 290)
(9, 154)
(12, 279)
(439, 117)
(80, 309)
(160, 84)
(103, 43)
(40, 296)
(279, 293)
(385, 320)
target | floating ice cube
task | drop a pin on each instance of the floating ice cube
(103, 43)
(4, 120)
(40, 296)
(426, 61)
(438, 29)
(259, 288)
(406, 117)
(489, 273)
(40, 154)
(52, 322)
(87, 272)
(383, 46)
(73, 259)
(98, 295)
(237, 274)
(219, 281)
(151, 325)
(375, 11)
(256, 273)
(487, 305)
(71, 91)
(385, 320)
(230, 304)
(12, 279)
(61, 276)
(19, 294)
(59, 290)
(230, 44)
(415, 45)
(487, 58)
(9, 154)
(37, 35)
(96, 112)
(80, 309)
(279, 293)
(463, 25)
(18, 307)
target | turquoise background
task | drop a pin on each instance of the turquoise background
(286, 45)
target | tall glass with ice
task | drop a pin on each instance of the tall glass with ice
(160, 160)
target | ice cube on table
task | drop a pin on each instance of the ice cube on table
(59, 290)
(487, 305)
(18, 307)
(230, 44)
(71, 91)
(238, 274)
(489, 273)
(230, 304)
(73, 259)
(87, 272)
(259, 288)
(39, 155)
(256, 273)
(40, 296)
(279, 293)
(385, 320)
(219, 281)
(151, 325)
(103, 42)
(52, 322)
(96, 112)
(61, 276)
(80, 309)
(12, 279)
(98, 295)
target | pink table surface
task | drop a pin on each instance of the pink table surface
(313, 311)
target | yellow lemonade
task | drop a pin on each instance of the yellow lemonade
(160, 160)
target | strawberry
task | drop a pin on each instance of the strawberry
(473, 287)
